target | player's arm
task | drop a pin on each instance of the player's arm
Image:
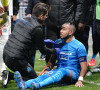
(83, 71)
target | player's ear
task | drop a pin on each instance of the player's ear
(71, 32)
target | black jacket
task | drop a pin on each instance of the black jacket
(89, 12)
(30, 6)
(63, 11)
(15, 7)
(26, 36)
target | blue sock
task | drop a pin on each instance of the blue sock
(94, 56)
(36, 80)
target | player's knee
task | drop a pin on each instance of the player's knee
(64, 71)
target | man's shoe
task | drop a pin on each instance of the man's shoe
(5, 75)
(92, 62)
(89, 73)
(94, 67)
(35, 86)
(18, 79)
(95, 70)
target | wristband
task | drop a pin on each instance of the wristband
(80, 78)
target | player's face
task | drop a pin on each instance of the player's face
(65, 31)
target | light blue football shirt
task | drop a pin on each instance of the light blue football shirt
(70, 54)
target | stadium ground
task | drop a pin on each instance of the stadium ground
(90, 82)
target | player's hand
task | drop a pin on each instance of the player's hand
(48, 41)
(79, 83)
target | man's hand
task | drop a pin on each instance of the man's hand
(79, 83)
(48, 41)
(14, 17)
(81, 26)
(1, 10)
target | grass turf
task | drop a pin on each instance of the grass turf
(39, 64)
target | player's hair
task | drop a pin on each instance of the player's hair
(72, 26)
(40, 8)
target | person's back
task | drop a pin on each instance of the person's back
(20, 42)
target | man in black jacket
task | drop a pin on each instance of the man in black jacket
(20, 48)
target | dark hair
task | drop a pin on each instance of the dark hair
(72, 26)
(40, 8)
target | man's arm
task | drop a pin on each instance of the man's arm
(52, 61)
(80, 14)
(30, 6)
(15, 9)
(82, 74)
(39, 41)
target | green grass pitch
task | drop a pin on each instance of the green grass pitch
(92, 82)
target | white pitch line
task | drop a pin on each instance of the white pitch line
(37, 72)
(91, 82)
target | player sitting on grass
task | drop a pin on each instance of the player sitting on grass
(71, 63)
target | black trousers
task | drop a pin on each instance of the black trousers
(98, 26)
(25, 67)
(98, 31)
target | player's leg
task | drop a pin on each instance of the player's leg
(55, 76)
(96, 45)
(27, 84)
